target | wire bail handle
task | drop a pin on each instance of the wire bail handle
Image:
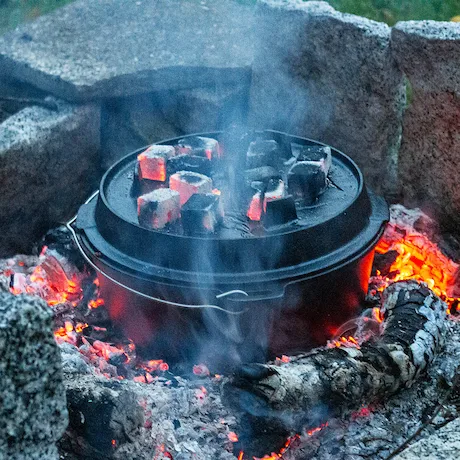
(69, 226)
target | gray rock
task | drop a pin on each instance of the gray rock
(49, 163)
(33, 414)
(329, 76)
(113, 48)
(444, 444)
(131, 123)
(206, 109)
(428, 52)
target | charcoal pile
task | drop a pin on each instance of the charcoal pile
(190, 187)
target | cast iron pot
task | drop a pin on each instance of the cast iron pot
(226, 300)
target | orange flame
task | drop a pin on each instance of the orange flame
(419, 259)
(287, 445)
(93, 304)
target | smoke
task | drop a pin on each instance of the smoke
(285, 95)
(295, 98)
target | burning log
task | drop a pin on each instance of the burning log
(330, 382)
(152, 162)
(157, 208)
(188, 183)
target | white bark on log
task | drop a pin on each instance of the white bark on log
(331, 381)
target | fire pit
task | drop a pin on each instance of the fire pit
(281, 281)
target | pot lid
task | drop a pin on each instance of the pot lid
(341, 215)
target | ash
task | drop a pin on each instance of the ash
(180, 419)
(122, 407)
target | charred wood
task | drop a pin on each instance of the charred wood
(103, 415)
(329, 382)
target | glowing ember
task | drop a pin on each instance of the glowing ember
(161, 453)
(69, 333)
(418, 258)
(201, 370)
(317, 429)
(200, 393)
(96, 303)
(258, 204)
(362, 413)
(47, 280)
(283, 359)
(293, 440)
(232, 436)
(349, 341)
(155, 365)
(377, 315)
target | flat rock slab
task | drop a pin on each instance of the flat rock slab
(329, 76)
(106, 48)
(428, 52)
(49, 165)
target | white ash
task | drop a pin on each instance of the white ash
(179, 417)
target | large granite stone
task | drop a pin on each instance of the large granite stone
(33, 414)
(329, 76)
(110, 48)
(444, 444)
(131, 123)
(49, 163)
(428, 52)
(206, 109)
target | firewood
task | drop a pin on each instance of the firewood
(103, 414)
(330, 382)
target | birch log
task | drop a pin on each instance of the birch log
(331, 381)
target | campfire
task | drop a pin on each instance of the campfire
(409, 251)
(240, 292)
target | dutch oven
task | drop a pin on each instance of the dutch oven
(226, 300)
